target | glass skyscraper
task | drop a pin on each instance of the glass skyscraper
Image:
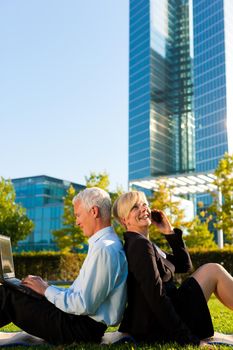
(213, 84)
(161, 124)
(42, 196)
(180, 86)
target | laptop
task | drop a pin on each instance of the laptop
(7, 271)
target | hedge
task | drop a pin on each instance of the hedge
(200, 257)
(66, 266)
(51, 266)
(223, 257)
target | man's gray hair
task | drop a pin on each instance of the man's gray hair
(95, 196)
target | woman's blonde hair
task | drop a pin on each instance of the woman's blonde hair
(123, 205)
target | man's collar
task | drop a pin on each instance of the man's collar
(99, 234)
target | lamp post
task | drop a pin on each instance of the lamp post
(220, 231)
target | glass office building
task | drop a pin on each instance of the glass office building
(42, 196)
(180, 87)
(213, 83)
(161, 124)
(213, 58)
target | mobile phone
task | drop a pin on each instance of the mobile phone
(156, 216)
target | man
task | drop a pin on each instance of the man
(97, 297)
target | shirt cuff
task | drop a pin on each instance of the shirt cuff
(50, 293)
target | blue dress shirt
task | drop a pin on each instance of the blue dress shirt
(99, 291)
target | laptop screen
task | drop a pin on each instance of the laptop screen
(7, 265)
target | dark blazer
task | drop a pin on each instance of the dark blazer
(150, 314)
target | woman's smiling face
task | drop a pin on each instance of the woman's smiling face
(139, 218)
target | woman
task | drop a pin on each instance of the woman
(157, 310)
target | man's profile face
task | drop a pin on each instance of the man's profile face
(84, 219)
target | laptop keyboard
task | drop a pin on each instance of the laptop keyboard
(15, 281)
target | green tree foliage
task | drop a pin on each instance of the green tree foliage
(162, 199)
(199, 235)
(70, 236)
(13, 219)
(100, 180)
(224, 214)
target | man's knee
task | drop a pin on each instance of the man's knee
(3, 293)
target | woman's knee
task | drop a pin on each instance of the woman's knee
(208, 273)
(207, 277)
(213, 268)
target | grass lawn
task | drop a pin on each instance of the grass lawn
(222, 320)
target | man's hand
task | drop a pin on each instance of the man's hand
(36, 283)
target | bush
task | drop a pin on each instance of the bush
(200, 257)
(48, 265)
(223, 257)
(66, 266)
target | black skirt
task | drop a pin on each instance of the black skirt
(189, 302)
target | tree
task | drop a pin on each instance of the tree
(70, 236)
(199, 235)
(100, 180)
(13, 219)
(223, 213)
(162, 199)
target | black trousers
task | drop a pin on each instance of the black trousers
(41, 318)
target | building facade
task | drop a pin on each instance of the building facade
(42, 196)
(161, 123)
(213, 84)
(180, 87)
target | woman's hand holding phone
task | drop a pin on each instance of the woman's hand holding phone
(161, 221)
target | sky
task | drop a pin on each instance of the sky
(64, 89)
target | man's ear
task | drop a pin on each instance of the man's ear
(96, 211)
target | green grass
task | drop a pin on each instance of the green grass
(222, 320)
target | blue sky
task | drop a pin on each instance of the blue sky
(64, 89)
